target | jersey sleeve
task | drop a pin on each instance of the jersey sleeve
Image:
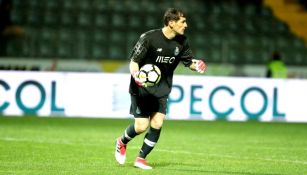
(187, 54)
(140, 49)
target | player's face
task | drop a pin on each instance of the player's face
(180, 26)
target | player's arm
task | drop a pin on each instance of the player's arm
(198, 65)
(138, 53)
(134, 69)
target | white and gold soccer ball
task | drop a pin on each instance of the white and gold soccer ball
(150, 74)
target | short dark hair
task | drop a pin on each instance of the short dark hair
(172, 14)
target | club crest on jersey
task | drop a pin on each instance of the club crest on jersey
(176, 52)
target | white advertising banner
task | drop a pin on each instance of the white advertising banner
(192, 98)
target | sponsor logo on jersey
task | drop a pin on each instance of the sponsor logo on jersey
(176, 52)
(163, 59)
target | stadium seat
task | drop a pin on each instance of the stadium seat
(215, 40)
(294, 58)
(101, 21)
(100, 51)
(234, 58)
(65, 35)
(199, 23)
(51, 5)
(281, 43)
(100, 36)
(17, 47)
(149, 7)
(117, 7)
(215, 55)
(118, 37)
(34, 18)
(84, 5)
(68, 5)
(151, 21)
(51, 19)
(231, 39)
(118, 20)
(68, 19)
(248, 40)
(135, 6)
(44, 49)
(83, 50)
(117, 52)
(84, 19)
(99, 6)
(298, 43)
(65, 49)
(134, 22)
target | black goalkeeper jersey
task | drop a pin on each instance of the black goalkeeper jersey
(154, 48)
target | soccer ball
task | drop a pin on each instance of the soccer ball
(150, 74)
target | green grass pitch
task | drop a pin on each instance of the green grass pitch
(54, 145)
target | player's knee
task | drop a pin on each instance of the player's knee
(141, 126)
(156, 123)
(157, 120)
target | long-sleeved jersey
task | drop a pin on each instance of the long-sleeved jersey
(154, 48)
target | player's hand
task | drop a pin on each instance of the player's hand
(200, 66)
(137, 79)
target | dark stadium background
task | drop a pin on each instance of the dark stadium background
(235, 32)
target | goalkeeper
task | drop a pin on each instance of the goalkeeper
(165, 47)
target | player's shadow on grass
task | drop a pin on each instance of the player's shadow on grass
(166, 165)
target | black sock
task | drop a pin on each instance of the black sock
(151, 138)
(129, 134)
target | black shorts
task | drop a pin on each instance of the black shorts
(145, 106)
